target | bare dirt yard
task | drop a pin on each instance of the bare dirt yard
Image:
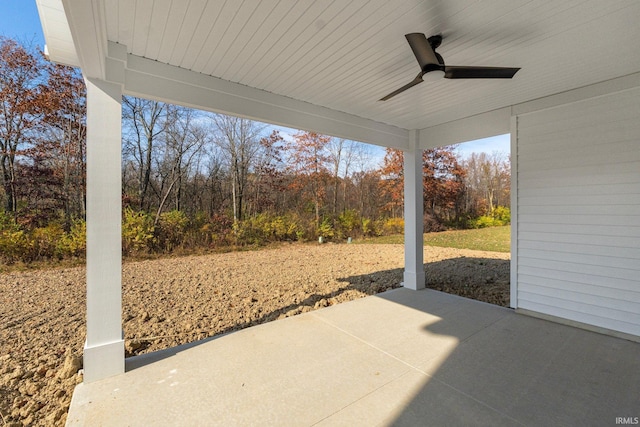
(174, 301)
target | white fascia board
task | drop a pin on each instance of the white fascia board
(86, 20)
(603, 88)
(484, 125)
(59, 46)
(154, 80)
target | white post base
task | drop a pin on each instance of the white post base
(102, 361)
(414, 281)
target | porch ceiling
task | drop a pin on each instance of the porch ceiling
(344, 56)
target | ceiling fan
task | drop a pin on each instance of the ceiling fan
(425, 52)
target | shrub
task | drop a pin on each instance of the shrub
(14, 245)
(285, 228)
(220, 230)
(349, 223)
(502, 214)
(74, 243)
(7, 222)
(264, 228)
(483, 222)
(393, 226)
(250, 231)
(326, 229)
(137, 231)
(367, 227)
(431, 224)
(197, 232)
(170, 232)
(44, 242)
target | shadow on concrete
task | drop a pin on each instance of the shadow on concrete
(520, 370)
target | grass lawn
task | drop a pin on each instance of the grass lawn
(493, 239)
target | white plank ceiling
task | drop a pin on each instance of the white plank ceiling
(346, 55)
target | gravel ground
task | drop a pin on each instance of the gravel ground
(179, 300)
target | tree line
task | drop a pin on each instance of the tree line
(193, 178)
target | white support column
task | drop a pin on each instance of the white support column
(513, 300)
(414, 277)
(104, 348)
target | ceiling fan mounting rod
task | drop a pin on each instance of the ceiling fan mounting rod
(435, 41)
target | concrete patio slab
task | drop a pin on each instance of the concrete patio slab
(400, 358)
(413, 329)
(439, 405)
(547, 373)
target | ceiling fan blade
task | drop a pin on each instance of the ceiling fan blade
(422, 50)
(456, 72)
(414, 82)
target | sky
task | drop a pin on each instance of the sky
(500, 143)
(19, 20)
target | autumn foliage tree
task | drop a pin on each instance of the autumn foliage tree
(20, 110)
(443, 179)
(443, 183)
(63, 138)
(392, 181)
(308, 160)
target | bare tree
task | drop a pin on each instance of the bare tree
(487, 181)
(268, 171)
(143, 125)
(239, 140)
(183, 142)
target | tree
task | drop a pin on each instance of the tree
(20, 108)
(308, 161)
(341, 155)
(268, 171)
(63, 140)
(183, 142)
(443, 180)
(442, 177)
(367, 189)
(143, 125)
(214, 184)
(488, 181)
(239, 140)
(392, 181)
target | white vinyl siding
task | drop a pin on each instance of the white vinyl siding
(578, 211)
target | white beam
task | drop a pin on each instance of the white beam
(104, 348)
(86, 21)
(492, 123)
(414, 277)
(153, 80)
